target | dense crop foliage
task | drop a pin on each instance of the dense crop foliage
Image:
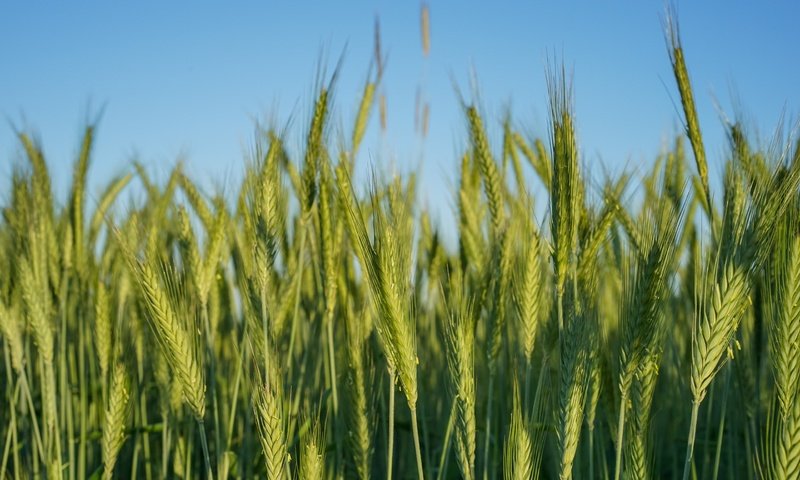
(647, 326)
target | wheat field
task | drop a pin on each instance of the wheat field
(647, 325)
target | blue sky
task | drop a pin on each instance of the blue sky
(191, 78)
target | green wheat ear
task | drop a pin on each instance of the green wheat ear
(359, 380)
(784, 332)
(488, 168)
(116, 418)
(312, 454)
(460, 343)
(270, 418)
(518, 450)
(689, 110)
(177, 342)
(565, 193)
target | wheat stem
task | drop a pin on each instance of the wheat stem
(488, 434)
(620, 432)
(415, 433)
(390, 441)
(721, 429)
(687, 467)
(448, 433)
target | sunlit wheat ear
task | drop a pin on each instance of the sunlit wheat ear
(116, 418)
(529, 288)
(565, 194)
(395, 320)
(687, 101)
(770, 201)
(381, 266)
(597, 236)
(784, 332)
(359, 415)
(197, 201)
(77, 197)
(263, 222)
(314, 148)
(499, 287)
(329, 244)
(213, 254)
(518, 451)
(537, 157)
(783, 437)
(718, 321)
(177, 342)
(102, 330)
(575, 343)
(469, 217)
(642, 315)
(36, 308)
(386, 264)
(11, 331)
(511, 154)
(460, 360)
(752, 230)
(42, 193)
(636, 451)
(362, 117)
(270, 418)
(491, 176)
(312, 454)
(190, 255)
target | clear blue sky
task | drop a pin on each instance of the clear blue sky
(192, 77)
